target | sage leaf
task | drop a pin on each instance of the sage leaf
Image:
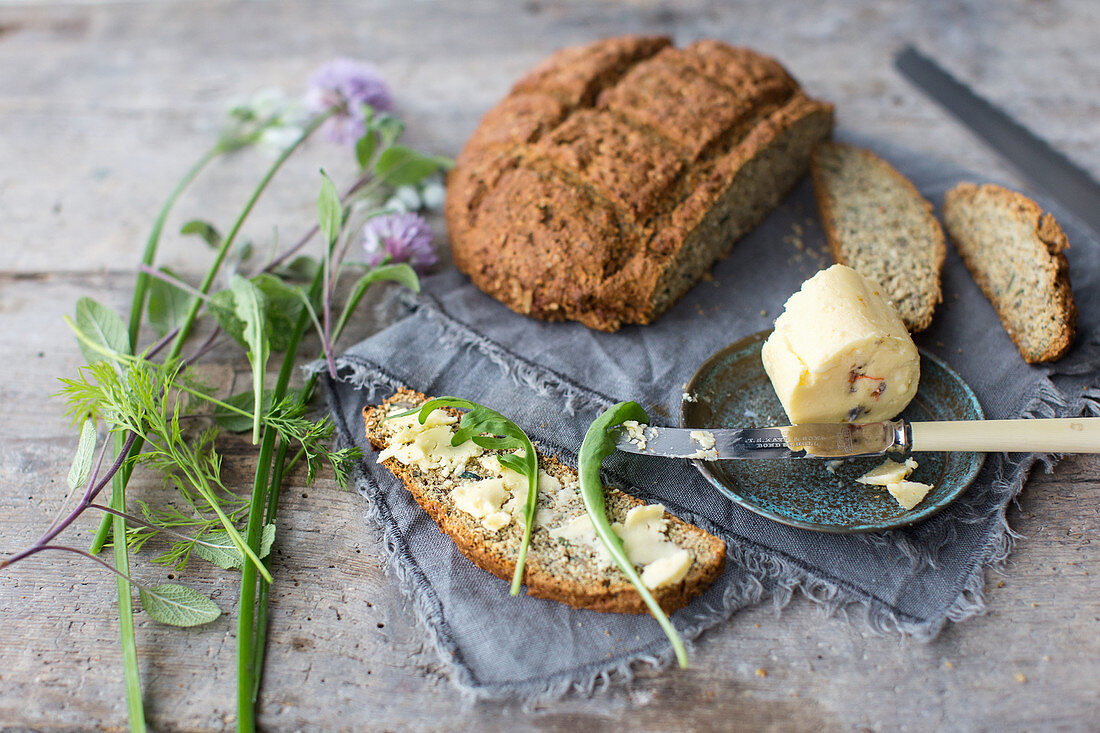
(178, 605)
(205, 230)
(330, 212)
(82, 461)
(218, 548)
(101, 326)
(399, 273)
(283, 306)
(250, 302)
(301, 269)
(168, 304)
(401, 166)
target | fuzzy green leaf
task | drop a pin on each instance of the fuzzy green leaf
(168, 304)
(402, 166)
(283, 306)
(365, 147)
(82, 461)
(251, 304)
(301, 269)
(102, 326)
(218, 548)
(330, 212)
(178, 605)
(205, 230)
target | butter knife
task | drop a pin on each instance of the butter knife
(847, 440)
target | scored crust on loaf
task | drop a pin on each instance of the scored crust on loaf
(562, 571)
(878, 224)
(615, 174)
(1014, 251)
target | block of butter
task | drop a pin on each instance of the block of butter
(840, 352)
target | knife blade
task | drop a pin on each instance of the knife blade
(850, 440)
(1041, 164)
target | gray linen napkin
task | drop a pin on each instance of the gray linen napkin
(553, 378)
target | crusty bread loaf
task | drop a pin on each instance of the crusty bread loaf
(1014, 252)
(615, 174)
(878, 224)
(570, 572)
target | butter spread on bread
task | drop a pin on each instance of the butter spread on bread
(840, 352)
(479, 504)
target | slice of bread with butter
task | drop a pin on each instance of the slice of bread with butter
(478, 504)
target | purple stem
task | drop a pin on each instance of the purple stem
(82, 553)
(91, 480)
(165, 277)
(89, 495)
(359, 183)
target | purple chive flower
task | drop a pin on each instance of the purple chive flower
(402, 238)
(348, 85)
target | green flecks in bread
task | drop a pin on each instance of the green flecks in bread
(1014, 252)
(878, 224)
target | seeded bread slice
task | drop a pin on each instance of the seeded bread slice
(878, 224)
(569, 572)
(1014, 252)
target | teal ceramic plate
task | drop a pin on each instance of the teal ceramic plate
(732, 390)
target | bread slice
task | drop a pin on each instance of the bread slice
(563, 569)
(1014, 252)
(878, 224)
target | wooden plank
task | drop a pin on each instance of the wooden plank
(107, 105)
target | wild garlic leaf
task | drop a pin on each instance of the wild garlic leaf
(330, 212)
(399, 273)
(402, 166)
(103, 327)
(251, 302)
(168, 304)
(204, 230)
(599, 442)
(489, 429)
(82, 461)
(365, 147)
(218, 548)
(237, 423)
(178, 605)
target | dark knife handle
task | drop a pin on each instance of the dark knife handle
(1041, 164)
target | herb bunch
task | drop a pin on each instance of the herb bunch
(156, 412)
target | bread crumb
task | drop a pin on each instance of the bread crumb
(756, 626)
(763, 313)
(1000, 584)
(761, 672)
(1021, 677)
(948, 664)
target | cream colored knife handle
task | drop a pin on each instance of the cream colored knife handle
(1058, 435)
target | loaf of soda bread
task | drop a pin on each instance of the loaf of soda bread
(479, 506)
(614, 175)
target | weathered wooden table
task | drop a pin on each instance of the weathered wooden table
(104, 104)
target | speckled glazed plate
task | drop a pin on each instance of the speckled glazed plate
(732, 390)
